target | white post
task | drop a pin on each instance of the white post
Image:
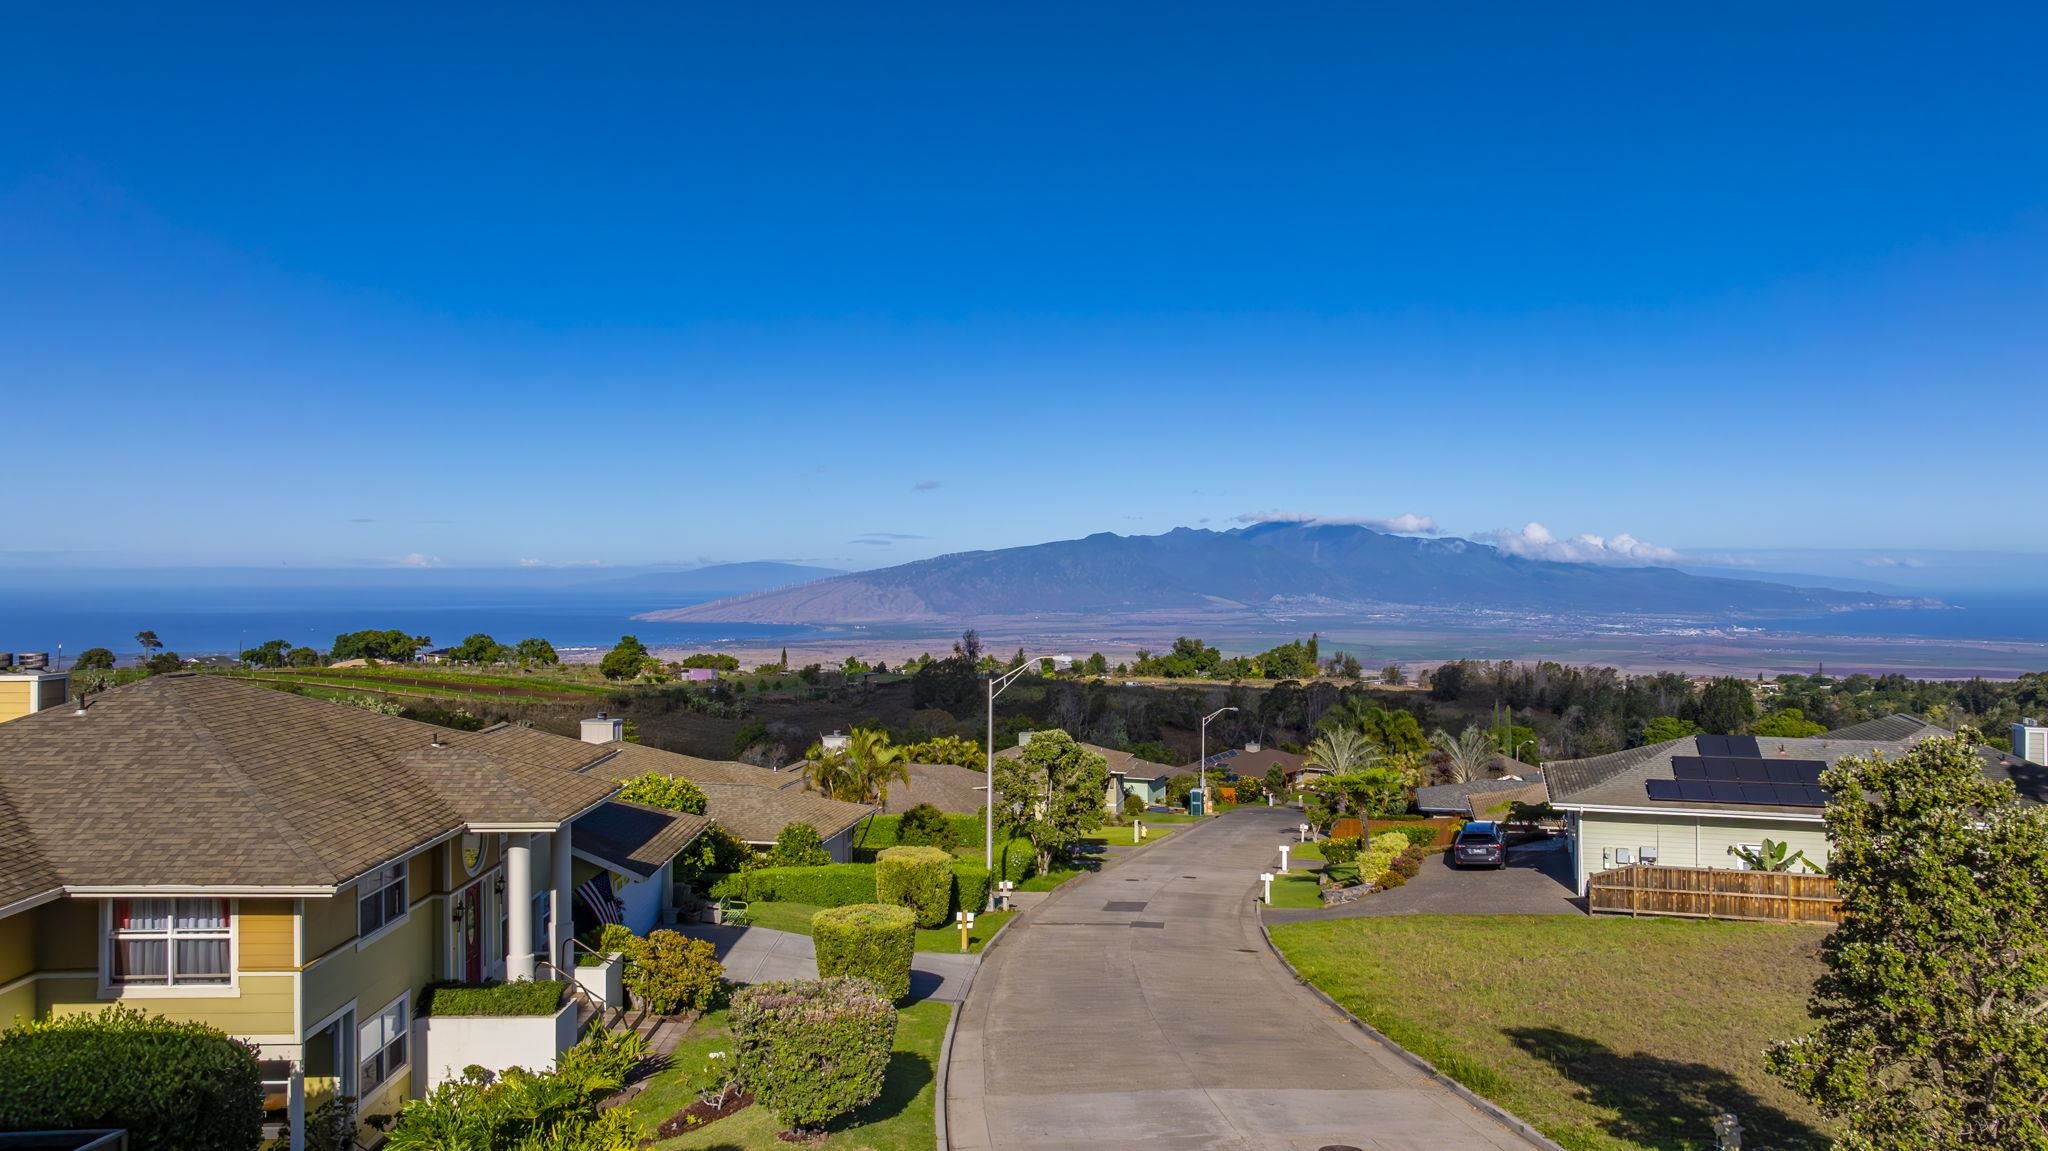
(519, 908)
(295, 1106)
(1267, 879)
(988, 826)
(1304, 833)
(1284, 849)
(562, 915)
(1137, 830)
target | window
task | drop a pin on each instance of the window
(170, 943)
(1742, 860)
(380, 899)
(382, 1042)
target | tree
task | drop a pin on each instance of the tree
(969, 647)
(1341, 751)
(303, 657)
(479, 648)
(830, 773)
(1276, 781)
(798, 845)
(1932, 1032)
(1053, 789)
(1098, 664)
(874, 763)
(1393, 676)
(1465, 756)
(1666, 728)
(1787, 723)
(717, 661)
(536, 651)
(147, 641)
(94, 659)
(270, 653)
(390, 643)
(1773, 855)
(625, 660)
(1727, 706)
(668, 792)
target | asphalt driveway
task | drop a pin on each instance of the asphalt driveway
(1140, 1008)
(1537, 881)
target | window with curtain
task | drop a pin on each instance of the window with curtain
(380, 899)
(170, 943)
(382, 1042)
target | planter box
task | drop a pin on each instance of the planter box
(605, 981)
(445, 1044)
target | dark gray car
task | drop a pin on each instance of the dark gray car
(1480, 844)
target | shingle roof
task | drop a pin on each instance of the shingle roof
(1237, 761)
(635, 838)
(1617, 779)
(207, 780)
(944, 786)
(1130, 765)
(1456, 797)
(2028, 778)
(758, 814)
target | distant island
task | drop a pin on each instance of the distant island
(1265, 571)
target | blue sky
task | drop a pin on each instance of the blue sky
(684, 282)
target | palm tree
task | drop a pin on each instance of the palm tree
(1341, 751)
(829, 773)
(1467, 756)
(875, 763)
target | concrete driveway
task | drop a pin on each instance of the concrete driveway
(1140, 1007)
(758, 955)
(1536, 881)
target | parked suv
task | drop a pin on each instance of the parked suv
(1480, 844)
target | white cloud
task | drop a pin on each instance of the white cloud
(1534, 541)
(1405, 524)
(416, 560)
(1892, 562)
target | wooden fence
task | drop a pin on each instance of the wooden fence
(1715, 893)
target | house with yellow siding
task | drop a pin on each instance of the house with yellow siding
(295, 871)
(1701, 801)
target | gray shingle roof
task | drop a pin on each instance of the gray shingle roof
(1617, 780)
(753, 803)
(207, 780)
(1456, 797)
(943, 785)
(635, 838)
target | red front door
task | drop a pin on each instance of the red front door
(472, 905)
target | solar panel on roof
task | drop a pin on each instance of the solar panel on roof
(1687, 767)
(1695, 790)
(1760, 793)
(1724, 792)
(1743, 746)
(1663, 788)
(1750, 770)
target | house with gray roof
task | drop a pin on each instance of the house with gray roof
(295, 871)
(1458, 798)
(1693, 802)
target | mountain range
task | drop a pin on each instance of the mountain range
(1266, 568)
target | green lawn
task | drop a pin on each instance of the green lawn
(1121, 836)
(1296, 889)
(1606, 1034)
(901, 1120)
(797, 917)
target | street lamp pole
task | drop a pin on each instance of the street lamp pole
(1202, 767)
(996, 685)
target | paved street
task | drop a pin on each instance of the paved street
(757, 955)
(1140, 1008)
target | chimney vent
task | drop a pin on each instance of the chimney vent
(603, 729)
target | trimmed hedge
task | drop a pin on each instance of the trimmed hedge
(524, 997)
(173, 1086)
(873, 941)
(1418, 834)
(673, 972)
(812, 1050)
(920, 878)
(833, 885)
(1015, 860)
(971, 883)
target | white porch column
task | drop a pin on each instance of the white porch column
(562, 913)
(668, 895)
(519, 907)
(295, 1106)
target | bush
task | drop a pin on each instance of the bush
(1015, 861)
(1418, 834)
(799, 846)
(524, 997)
(675, 973)
(1378, 859)
(1408, 866)
(668, 792)
(920, 878)
(971, 884)
(1343, 850)
(173, 1086)
(1134, 805)
(812, 1050)
(834, 885)
(925, 825)
(871, 940)
(556, 1110)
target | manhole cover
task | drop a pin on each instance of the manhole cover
(1123, 905)
(1146, 923)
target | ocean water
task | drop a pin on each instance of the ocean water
(197, 621)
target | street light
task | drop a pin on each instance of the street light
(996, 685)
(1202, 769)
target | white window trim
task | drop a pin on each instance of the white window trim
(390, 925)
(350, 1067)
(404, 1007)
(111, 990)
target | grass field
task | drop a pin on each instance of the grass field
(432, 682)
(1606, 1034)
(1296, 889)
(797, 917)
(901, 1120)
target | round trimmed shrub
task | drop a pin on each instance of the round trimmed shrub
(674, 973)
(173, 1086)
(812, 1050)
(926, 825)
(871, 941)
(920, 878)
(971, 883)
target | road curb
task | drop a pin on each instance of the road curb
(1500, 1114)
